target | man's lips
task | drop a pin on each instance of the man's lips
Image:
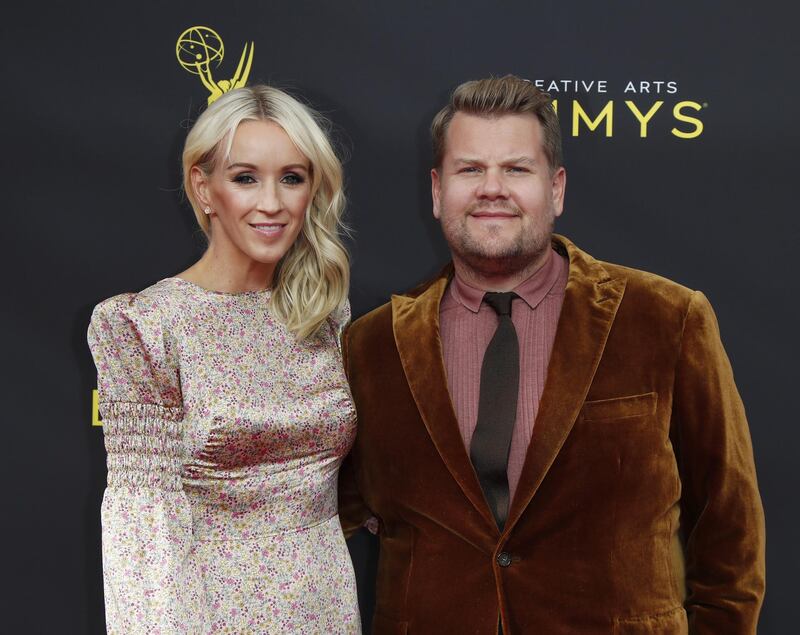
(493, 214)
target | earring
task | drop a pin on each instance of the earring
(207, 209)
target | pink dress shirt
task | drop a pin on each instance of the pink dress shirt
(466, 327)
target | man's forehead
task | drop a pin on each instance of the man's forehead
(509, 134)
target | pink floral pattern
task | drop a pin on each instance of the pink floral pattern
(224, 438)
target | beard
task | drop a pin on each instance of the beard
(494, 254)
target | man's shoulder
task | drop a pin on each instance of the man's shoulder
(648, 283)
(640, 285)
(380, 319)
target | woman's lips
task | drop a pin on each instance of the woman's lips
(268, 229)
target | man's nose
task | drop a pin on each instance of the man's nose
(492, 184)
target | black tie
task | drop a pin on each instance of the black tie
(497, 408)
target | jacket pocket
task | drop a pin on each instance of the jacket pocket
(619, 408)
(382, 625)
(672, 622)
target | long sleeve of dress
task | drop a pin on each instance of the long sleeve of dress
(149, 584)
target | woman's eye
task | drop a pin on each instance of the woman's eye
(292, 179)
(244, 179)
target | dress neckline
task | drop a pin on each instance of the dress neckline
(226, 294)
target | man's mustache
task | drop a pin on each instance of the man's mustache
(504, 206)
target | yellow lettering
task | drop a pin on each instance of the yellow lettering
(96, 409)
(579, 113)
(698, 125)
(555, 105)
(643, 119)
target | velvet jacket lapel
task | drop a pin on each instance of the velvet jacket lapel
(416, 332)
(590, 304)
(591, 301)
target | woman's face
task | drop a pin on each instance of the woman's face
(258, 197)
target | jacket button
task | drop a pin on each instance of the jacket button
(504, 559)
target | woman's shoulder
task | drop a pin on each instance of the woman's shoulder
(341, 315)
(131, 338)
(338, 319)
(158, 300)
(143, 318)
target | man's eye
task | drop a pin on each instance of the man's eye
(293, 179)
(244, 179)
(468, 170)
(518, 170)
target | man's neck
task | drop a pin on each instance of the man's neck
(500, 280)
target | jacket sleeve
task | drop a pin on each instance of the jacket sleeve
(353, 511)
(722, 516)
(146, 518)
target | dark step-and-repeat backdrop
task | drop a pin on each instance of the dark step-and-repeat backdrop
(680, 134)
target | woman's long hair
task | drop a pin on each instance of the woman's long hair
(312, 280)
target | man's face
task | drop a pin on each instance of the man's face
(495, 193)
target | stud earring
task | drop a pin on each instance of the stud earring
(207, 210)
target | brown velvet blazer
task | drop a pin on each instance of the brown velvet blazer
(637, 510)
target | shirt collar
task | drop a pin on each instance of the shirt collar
(532, 291)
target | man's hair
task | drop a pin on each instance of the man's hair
(494, 97)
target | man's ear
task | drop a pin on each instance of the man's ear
(199, 182)
(559, 185)
(436, 192)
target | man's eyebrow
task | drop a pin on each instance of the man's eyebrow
(524, 160)
(520, 160)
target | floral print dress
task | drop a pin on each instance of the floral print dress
(224, 438)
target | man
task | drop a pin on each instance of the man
(572, 457)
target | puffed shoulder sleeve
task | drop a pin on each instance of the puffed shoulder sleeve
(135, 357)
(146, 517)
(139, 393)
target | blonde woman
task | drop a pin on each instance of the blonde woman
(225, 407)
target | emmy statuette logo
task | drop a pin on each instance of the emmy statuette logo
(199, 48)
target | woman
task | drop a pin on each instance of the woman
(225, 407)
